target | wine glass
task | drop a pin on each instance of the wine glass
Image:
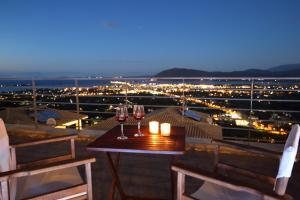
(122, 116)
(138, 114)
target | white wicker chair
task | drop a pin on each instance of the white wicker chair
(218, 186)
(52, 178)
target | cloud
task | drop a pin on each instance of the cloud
(109, 24)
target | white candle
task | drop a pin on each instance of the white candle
(165, 129)
(154, 127)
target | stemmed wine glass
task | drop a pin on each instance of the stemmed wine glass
(122, 116)
(138, 114)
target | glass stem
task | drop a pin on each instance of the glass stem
(139, 126)
(122, 130)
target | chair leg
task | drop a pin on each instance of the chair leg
(89, 181)
(13, 160)
(180, 185)
(172, 184)
(4, 190)
(216, 157)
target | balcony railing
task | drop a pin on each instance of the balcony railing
(253, 109)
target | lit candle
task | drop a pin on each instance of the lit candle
(154, 127)
(165, 129)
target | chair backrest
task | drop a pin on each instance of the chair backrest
(287, 160)
(5, 160)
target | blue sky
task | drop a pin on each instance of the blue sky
(144, 37)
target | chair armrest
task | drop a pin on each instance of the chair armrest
(225, 182)
(45, 141)
(72, 137)
(248, 148)
(83, 190)
(51, 167)
(246, 172)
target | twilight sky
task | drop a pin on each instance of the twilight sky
(143, 37)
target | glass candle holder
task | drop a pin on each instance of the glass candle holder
(165, 129)
(154, 127)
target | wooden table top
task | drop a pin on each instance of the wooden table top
(150, 143)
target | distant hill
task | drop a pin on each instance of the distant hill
(289, 67)
(291, 70)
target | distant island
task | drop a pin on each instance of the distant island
(290, 70)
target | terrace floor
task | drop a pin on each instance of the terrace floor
(149, 175)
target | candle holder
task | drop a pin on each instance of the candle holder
(154, 127)
(165, 129)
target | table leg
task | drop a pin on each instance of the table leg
(172, 174)
(114, 172)
(113, 184)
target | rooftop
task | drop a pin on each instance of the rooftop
(25, 115)
(199, 129)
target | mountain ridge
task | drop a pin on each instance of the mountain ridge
(289, 70)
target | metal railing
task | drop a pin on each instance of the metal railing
(183, 91)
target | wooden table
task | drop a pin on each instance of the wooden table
(148, 144)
